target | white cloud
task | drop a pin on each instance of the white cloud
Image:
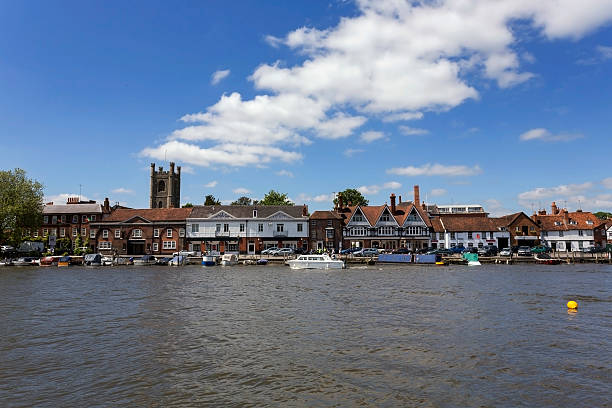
(188, 170)
(62, 198)
(351, 152)
(241, 190)
(605, 52)
(370, 136)
(607, 182)
(212, 184)
(122, 190)
(436, 170)
(375, 189)
(437, 192)
(546, 136)
(218, 76)
(563, 190)
(320, 198)
(410, 131)
(285, 173)
(392, 59)
(496, 208)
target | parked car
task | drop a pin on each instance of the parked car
(350, 250)
(184, 253)
(489, 250)
(283, 252)
(401, 251)
(540, 249)
(6, 248)
(524, 251)
(269, 251)
(299, 251)
(424, 250)
(457, 249)
(163, 261)
(366, 252)
(505, 252)
(440, 251)
(593, 249)
(473, 250)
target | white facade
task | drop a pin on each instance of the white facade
(572, 240)
(609, 235)
(470, 239)
(460, 208)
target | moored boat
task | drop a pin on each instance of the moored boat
(471, 258)
(64, 261)
(229, 259)
(92, 260)
(546, 259)
(146, 260)
(49, 261)
(25, 261)
(315, 262)
(209, 260)
(177, 260)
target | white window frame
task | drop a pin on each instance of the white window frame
(155, 232)
(195, 228)
(84, 218)
(260, 227)
(83, 231)
(104, 245)
(117, 233)
(300, 227)
(181, 232)
(46, 219)
(155, 247)
(169, 233)
(241, 227)
(75, 232)
(104, 233)
(92, 233)
(137, 233)
(169, 244)
(62, 232)
(75, 219)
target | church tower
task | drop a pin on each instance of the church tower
(165, 187)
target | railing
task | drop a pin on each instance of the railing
(222, 234)
(280, 233)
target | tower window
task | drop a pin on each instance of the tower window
(161, 186)
(160, 205)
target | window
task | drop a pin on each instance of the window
(313, 223)
(491, 235)
(580, 233)
(75, 219)
(181, 232)
(62, 232)
(53, 232)
(169, 245)
(93, 217)
(83, 232)
(358, 231)
(45, 219)
(104, 245)
(232, 247)
(155, 247)
(358, 218)
(384, 217)
(470, 245)
(300, 226)
(225, 227)
(169, 233)
(74, 232)
(385, 230)
(532, 228)
(63, 218)
(280, 227)
(161, 186)
(218, 228)
(469, 235)
(92, 233)
(254, 213)
(259, 227)
(589, 222)
(329, 233)
(589, 233)
(518, 229)
(195, 227)
(84, 218)
(54, 219)
(137, 233)
(545, 233)
(104, 233)
(452, 235)
(241, 227)
(117, 233)
(560, 233)
(35, 234)
(155, 233)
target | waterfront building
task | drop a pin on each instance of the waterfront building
(460, 208)
(400, 225)
(468, 230)
(165, 189)
(158, 231)
(562, 230)
(325, 230)
(71, 220)
(247, 229)
(608, 227)
(523, 230)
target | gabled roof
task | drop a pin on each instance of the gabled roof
(558, 222)
(507, 220)
(475, 222)
(401, 214)
(148, 214)
(88, 208)
(246, 211)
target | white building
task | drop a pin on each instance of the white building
(570, 231)
(468, 230)
(247, 229)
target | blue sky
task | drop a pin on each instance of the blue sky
(506, 104)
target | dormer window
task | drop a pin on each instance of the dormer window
(589, 222)
(557, 222)
(384, 217)
(572, 222)
(254, 213)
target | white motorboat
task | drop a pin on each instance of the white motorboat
(146, 260)
(177, 260)
(107, 261)
(229, 259)
(209, 260)
(315, 262)
(92, 260)
(27, 261)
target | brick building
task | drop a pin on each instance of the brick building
(157, 231)
(523, 230)
(325, 230)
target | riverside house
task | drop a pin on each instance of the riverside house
(325, 230)
(523, 230)
(157, 231)
(468, 230)
(247, 229)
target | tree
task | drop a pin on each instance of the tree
(21, 204)
(275, 198)
(243, 201)
(350, 195)
(188, 205)
(603, 215)
(211, 200)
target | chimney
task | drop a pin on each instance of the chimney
(73, 200)
(424, 206)
(542, 212)
(392, 198)
(417, 199)
(400, 199)
(305, 210)
(565, 215)
(340, 202)
(106, 205)
(171, 167)
(553, 209)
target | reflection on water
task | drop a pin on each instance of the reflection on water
(255, 336)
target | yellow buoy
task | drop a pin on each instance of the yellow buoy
(572, 305)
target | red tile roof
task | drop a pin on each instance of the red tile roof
(574, 221)
(151, 214)
(473, 222)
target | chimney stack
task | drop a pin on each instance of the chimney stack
(305, 210)
(400, 199)
(417, 199)
(106, 205)
(392, 197)
(424, 206)
(553, 209)
(565, 215)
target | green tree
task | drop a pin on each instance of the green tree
(275, 198)
(63, 245)
(603, 215)
(78, 243)
(350, 195)
(188, 205)
(243, 201)
(211, 200)
(21, 204)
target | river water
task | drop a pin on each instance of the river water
(490, 336)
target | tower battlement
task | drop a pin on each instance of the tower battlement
(165, 189)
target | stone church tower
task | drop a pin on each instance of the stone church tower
(165, 187)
